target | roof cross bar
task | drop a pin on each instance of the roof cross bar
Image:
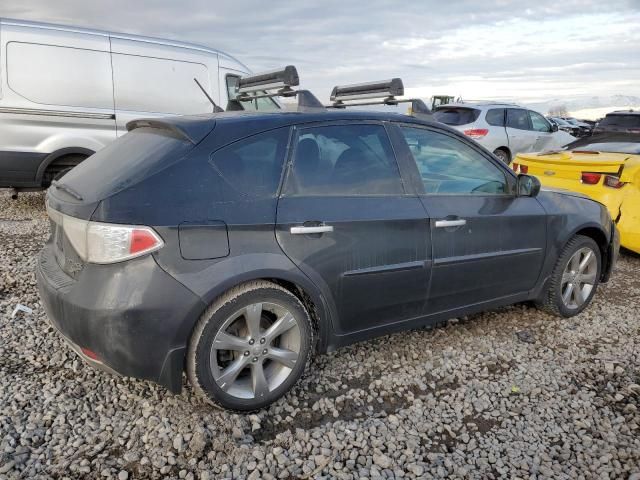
(274, 83)
(386, 91)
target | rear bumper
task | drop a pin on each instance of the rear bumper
(132, 317)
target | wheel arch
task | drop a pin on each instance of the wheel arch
(57, 155)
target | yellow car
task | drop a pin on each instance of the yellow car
(605, 167)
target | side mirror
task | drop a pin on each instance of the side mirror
(554, 127)
(528, 186)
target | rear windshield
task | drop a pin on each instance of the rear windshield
(456, 116)
(608, 142)
(617, 120)
(128, 160)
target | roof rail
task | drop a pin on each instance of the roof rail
(385, 91)
(273, 83)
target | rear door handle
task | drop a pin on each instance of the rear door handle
(450, 223)
(308, 230)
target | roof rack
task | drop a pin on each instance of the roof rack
(385, 91)
(274, 83)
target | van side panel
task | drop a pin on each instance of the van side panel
(152, 79)
(57, 94)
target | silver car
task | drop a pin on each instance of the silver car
(504, 129)
(66, 92)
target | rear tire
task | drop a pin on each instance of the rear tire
(250, 346)
(574, 280)
(502, 155)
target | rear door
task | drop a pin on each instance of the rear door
(345, 219)
(519, 130)
(487, 242)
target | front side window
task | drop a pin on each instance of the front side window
(252, 166)
(344, 160)
(538, 122)
(259, 104)
(518, 118)
(448, 166)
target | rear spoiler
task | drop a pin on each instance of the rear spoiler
(191, 129)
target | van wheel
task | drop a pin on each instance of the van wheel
(502, 155)
(60, 167)
(575, 278)
(250, 346)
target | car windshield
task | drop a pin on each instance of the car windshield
(612, 143)
(264, 104)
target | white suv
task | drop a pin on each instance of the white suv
(503, 129)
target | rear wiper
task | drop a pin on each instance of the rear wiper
(67, 189)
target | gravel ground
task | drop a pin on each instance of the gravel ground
(512, 393)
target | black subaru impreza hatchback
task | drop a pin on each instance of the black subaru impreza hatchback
(234, 246)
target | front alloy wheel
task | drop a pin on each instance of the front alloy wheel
(574, 279)
(250, 346)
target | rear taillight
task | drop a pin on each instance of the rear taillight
(613, 181)
(591, 178)
(519, 168)
(96, 242)
(524, 169)
(515, 166)
(476, 132)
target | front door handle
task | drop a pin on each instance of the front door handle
(308, 230)
(450, 223)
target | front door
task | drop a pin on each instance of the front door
(487, 242)
(345, 220)
(521, 136)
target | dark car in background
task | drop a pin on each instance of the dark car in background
(233, 246)
(623, 121)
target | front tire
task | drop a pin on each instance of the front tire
(250, 346)
(575, 278)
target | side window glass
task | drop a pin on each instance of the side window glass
(495, 117)
(518, 118)
(449, 166)
(344, 160)
(261, 104)
(253, 166)
(538, 122)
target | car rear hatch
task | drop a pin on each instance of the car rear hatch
(150, 147)
(569, 165)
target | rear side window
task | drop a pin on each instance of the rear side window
(457, 116)
(126, 161)
(144, 84)
(617, 120)
(261, 104)
(495, 117)
(252, 166)
(344, 160)
(518, 118)
(52, 75)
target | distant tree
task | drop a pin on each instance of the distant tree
(558, 111)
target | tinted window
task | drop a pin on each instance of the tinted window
(518, 118)
(126, 161)
(617, 120)
(449, 166)
(344, 160)
(456, 116)
(495, 117)
(253, 166)
(538, 122)
(74, 77)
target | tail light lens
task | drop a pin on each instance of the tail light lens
(515, 166)
(591, 178)
(613, 181)
(476, 133)
(524, 168)
(97, 242)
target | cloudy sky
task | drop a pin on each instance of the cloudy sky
(524, 51)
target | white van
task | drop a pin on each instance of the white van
(66, 92)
